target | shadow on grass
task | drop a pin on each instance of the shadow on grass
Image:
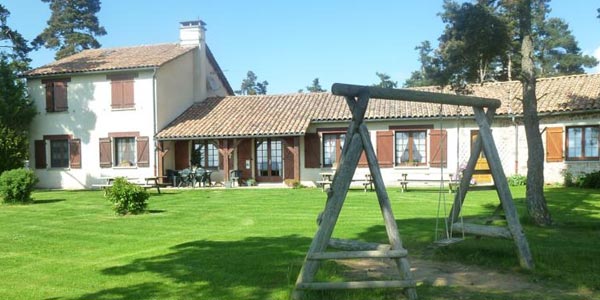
(156, 211)
(47, 201)
(252, 268)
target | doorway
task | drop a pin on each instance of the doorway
(269, 160)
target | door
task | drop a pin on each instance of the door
(269, 160)
(482, 173)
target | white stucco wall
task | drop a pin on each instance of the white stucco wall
(89, 118)
(175, 88)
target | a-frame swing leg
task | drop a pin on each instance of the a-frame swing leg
(356, 135)
(510, 211)
(485, 142)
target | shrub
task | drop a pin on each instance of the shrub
(127, 198)
(293, 183)
(517, 180)
(16, 185)
(569, 180)
(590, 180)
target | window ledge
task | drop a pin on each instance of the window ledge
(126, 168)
(122, 108)
(58, 169)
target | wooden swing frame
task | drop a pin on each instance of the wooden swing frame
(358, 139)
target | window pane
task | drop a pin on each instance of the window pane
(59, 153)
(329, 141)
(591, 142)
(419, 140)
(402, 155)
(262, 158)
(125, 152)
(276, 159)
(574, 142)
(212, 155)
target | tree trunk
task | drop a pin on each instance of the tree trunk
(535, 200)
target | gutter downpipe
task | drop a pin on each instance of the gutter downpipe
(155, 120)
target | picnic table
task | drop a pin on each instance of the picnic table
(147, 183)
(327, 178)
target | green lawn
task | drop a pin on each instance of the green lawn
(250, 243)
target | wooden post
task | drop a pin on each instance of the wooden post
(510, 211)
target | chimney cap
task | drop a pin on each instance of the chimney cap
(192, 23)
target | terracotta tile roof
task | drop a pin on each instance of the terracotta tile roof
(280, 115)
(112, 59)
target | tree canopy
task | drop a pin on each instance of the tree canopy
(13, 42)
(315, 87)
(385, 81)
(72, 27)
(250, 86)
(481, 42)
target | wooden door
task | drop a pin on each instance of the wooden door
(482, 173)
(269, 160)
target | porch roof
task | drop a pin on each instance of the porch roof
(291, 114)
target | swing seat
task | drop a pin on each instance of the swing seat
(448, 241)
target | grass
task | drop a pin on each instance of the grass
(250, 244)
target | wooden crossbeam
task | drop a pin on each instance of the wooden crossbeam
(357, 285)
(358, 254)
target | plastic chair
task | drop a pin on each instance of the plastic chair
(184, 177)
(200, 177)
(235, 176)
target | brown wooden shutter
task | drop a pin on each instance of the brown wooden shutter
(60, 96)
(362, 162)
(128, 93)
(75, 153)
(312, 150)
(554, 144)
(105, 153)
(40, 154)
(288, 158)
(116, 94)
(438, 154)
(385, 148)
(49, 96)
(182, 154)
(143, 152)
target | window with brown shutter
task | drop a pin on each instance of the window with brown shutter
(554, 144)
(105, 153)
(122, 94)
(56, 94)
(312, 150)
(75, 153)
(143, 152)
(439, 148)
(40, 154)
(583, 142)
(385, 148)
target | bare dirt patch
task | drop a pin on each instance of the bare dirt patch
(442, 274)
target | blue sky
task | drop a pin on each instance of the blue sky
(289, 43)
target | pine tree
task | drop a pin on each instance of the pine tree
(385, 81)
(72, 27)
(13, 42)
(315, 87)
(251, 87)
(16, 113)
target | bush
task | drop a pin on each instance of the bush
(293, 183)
(590, 181)
(127, 198)
(517, 180)
(16, 185)
(569, 179)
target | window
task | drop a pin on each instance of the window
(205, 154)
(582, 143)
(122, 95)
(59, 153)
(56, 95)
(332, 148)
(63, 151)
(411, 147)
(124, 151)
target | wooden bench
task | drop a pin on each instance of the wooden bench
(148, 183)
(366, 183)
(452, 183)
